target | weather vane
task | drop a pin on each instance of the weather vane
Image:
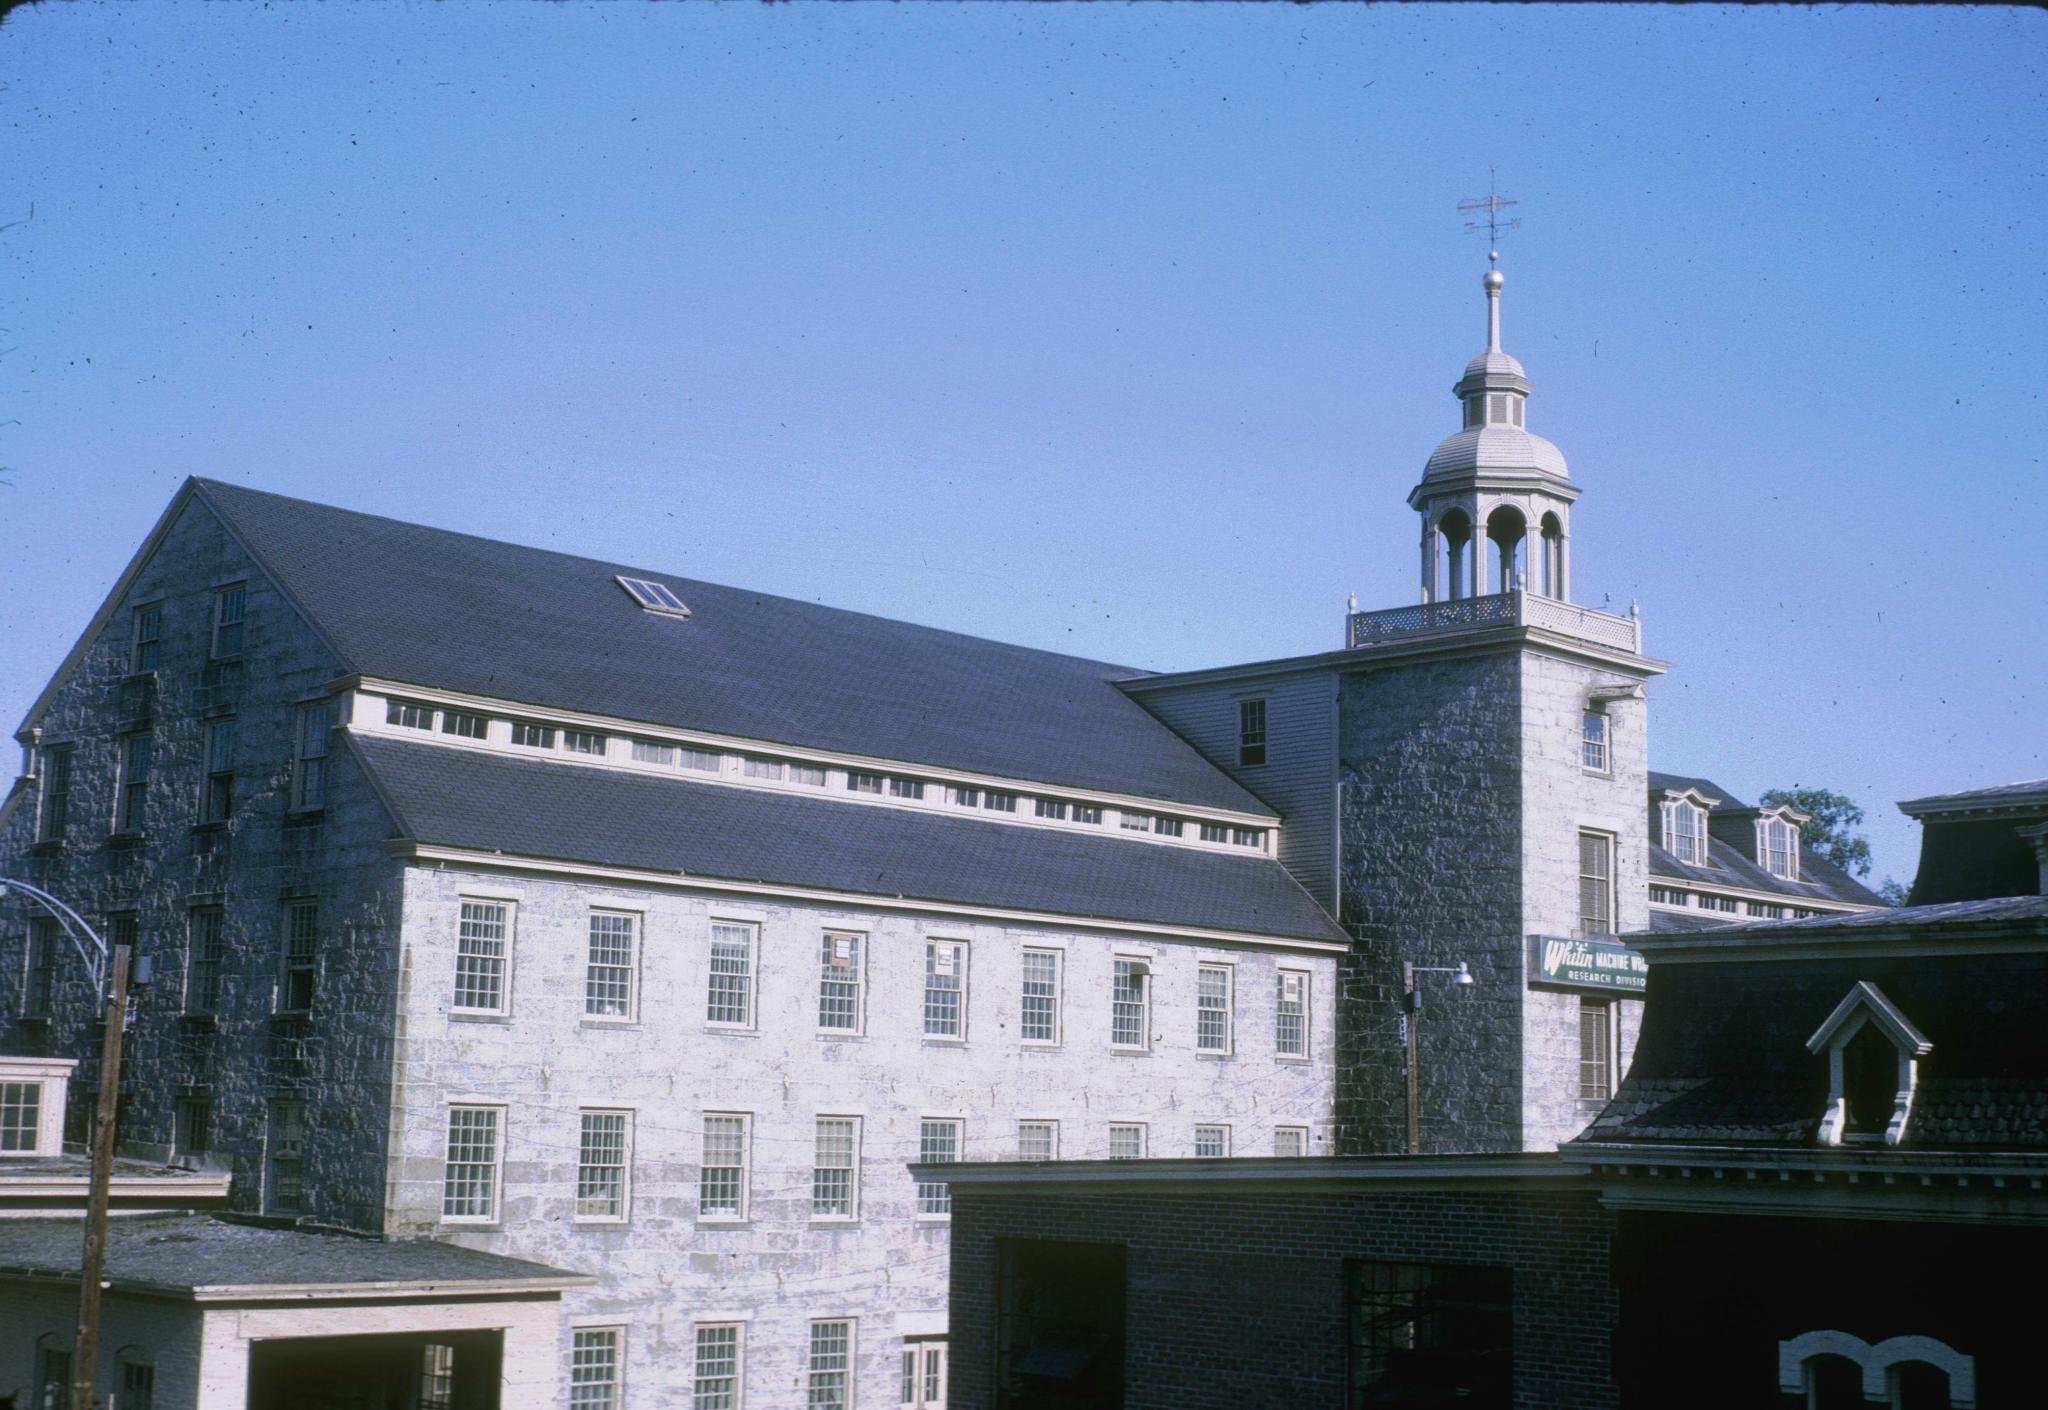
(1493, 225)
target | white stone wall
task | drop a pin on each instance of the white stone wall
(664, 1271)
(1560, 796)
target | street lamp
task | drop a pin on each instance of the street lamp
(1411, 1010)
(110, 997)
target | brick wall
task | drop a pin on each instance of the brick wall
(1238, 1300)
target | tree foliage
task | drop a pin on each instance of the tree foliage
(1830, 827)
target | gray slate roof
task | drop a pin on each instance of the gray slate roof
(532, 808)
(429, 607)
(184, 1251)
(1729, 864)
(1922, 920)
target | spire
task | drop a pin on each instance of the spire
(1494, 279)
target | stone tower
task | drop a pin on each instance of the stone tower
(1491, 757)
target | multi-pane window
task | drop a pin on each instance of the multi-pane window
(1130, 985)
(230, 606)
(39, 999)
(533, 736)
(309, 779)
(1212, 1009)
(835, 1184)
(301, 956)
(945, 988)
(965, 797)
(839, 982)
(1718, 903)
(601, 1165)
(1050, 808)
(56, 793)
(1040, 1018)
(1248, 836)
(1593, 740)
(730, 1000)
(924, 1375)
(1778, 843)
(583, 741)
(1168, 827)
(21, 1116)
(437, 1376)
(763, 768)
(1251, 732)
(464, 725)
(1038, 1140)
(407, 714)
(646, 751)
(857, 782)
(715, 1382)
(722, 1181)
(1087, 813)
(1685, 833)
(595, 1372)
(906, 788)
(53, 1375)
(1127, 1141)
(1596, 883)
(284, 1152)
(192, 1127)
(654, 596)
(219, 799)
(483, 943)
(1134, 822)
(830, 1385)
(1596, 1050)
(148, 640)
(608, 979)
(469, 1188)
(997, 802)
(1290, 1140)
(1215, 832)
(138, 1386)
(138, 752)
(810, 774)
(1290, 1015)
(704, 761)
(1457, 1321)
(206, 948)
(1212, 1142)
(938, 1143)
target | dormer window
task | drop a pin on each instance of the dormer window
(1685, 831)
(1873, 1055)
(653, 596)
(1777, 845)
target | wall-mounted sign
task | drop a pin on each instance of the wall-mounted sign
(1600, 966)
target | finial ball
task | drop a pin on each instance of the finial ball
(1494, 279)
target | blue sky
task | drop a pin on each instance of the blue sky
(1118, 330)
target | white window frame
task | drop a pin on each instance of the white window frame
(1609, 1057)
(845, 1371)
(1694, 854)
(1059, 967)
(1252, 733)
(1300, 1134)
(932, 1194)
(744, 1209)
(854, 944)
(1607, 840)
(1139, 968)
(634, 923)
(653, 596)
(504, 959)
(934, 948)
(273, 1110)
(735, 1397)
(851, 1214)
(149, 614)
(237, 593)
(613, 1386)
(1766, 830)
(751, 992)
(307, 764)
(924, 1358)
(624, 1213)
(496, 1189)
(1125, 1127)
(1227, 1046)
(1052, 1138)
(1596, 756)
(1217, 1132)
(1304, 986)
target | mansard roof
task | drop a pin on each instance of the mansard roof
(523, 808)
(1731, 855)
(1724, 1058)
(429, 607)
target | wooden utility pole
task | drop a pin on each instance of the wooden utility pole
(85, 1347)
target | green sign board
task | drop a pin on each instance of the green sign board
(1594, 965)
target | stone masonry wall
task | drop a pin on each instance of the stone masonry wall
(1237, 1301)
(664, 1270)
(1430, 767)
(244, 1055)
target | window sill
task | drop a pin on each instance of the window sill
(934, 1218)
(1292, 1059)
(835, 1221)
(839, 1035)
(48, 847)
(723, 1221)
(1039, 1045)
(305, 817)
(124, 841)
(1130, 1052)
(473, 1016)
(211, 825)
(472, 1226)
(198, 1022)
(733, 1030)
(940, 1040)
(596, 1020)
(602, 1221)
(1214, 1057)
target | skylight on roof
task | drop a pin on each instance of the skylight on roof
(655, 597)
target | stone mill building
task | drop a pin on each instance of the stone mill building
(585, 913)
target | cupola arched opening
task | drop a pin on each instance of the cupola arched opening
(1552, 582)
(1509, 532)
(1456, 559)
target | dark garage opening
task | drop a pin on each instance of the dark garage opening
(436, 1371)
(1059, 1325)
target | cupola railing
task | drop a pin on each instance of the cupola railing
(1500, 609)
